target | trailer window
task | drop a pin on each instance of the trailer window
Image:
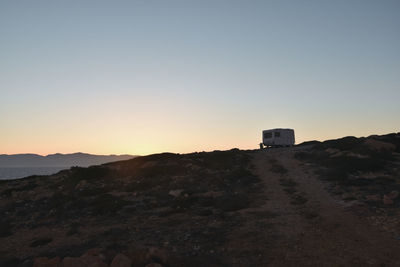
(267, 135)
(277, 134)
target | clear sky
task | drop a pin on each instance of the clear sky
(147, 76)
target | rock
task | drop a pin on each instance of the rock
(72, 262)
(138, 256)
(93, 258)
(41, 242)
(26, 263)
(376, 198)
(332, 150)
(337, 190)
(153, 265)
(94, 252)
(97, 264)
(213, 194)
(348, 196)
(356, 155)
(83, 261)
(81, 185)
(46, 262)
(338, 154)
(393, 194)
(120, 260)
(387, 200)
(157, 254)
(175, 193)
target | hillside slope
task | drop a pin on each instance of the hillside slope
(331, 203)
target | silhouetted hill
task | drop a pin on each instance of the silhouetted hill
(58, 160)
(323, 203)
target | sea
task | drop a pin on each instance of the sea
(7, 173)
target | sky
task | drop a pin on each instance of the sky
(142, 77)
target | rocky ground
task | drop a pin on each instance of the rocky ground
(333, 203)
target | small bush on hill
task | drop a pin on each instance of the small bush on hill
(5, 229)
(345, 143)
(92, 172)
(241, 177)
(107, 204)
(41, 242)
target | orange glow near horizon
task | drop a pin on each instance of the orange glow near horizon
(154, 141)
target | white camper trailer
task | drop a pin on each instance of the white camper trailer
(278, 137)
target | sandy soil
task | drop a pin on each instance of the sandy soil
(318, 230)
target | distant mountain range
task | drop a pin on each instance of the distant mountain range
(58, 160)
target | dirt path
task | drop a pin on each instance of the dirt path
(310, 227)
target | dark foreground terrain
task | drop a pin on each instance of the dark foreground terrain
(334, 203)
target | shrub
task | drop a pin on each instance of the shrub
(107, 204)
(241, 176)
(161, 170)
(5, 229)
(349, 165)
(41, 242)
(26, 187)
(298, 199)
(93, 172)
(345, 143)
(73, 229)
(224, 159)
(287, 182)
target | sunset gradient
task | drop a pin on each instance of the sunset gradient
(141, 77)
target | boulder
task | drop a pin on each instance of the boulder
(175, 193)
(98, 264)
(332, 150)
(393, 195)
(120, 260)
(387, 200)
(356, 155)
(348, 196)
(92, 258)
(94, 252)
(46, 262)
(81, 185)
(72, 262)
(157, 254)
(376, 198)
(138, 256)
(338, 154)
